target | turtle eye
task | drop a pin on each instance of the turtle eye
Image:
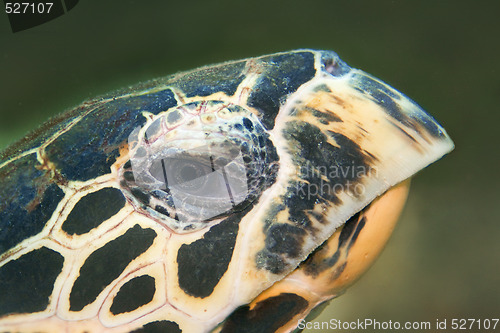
(194, 186)
(192, 171)
(197, 177)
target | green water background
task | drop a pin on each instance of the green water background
(442, 261)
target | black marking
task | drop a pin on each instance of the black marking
(28, 198)
(387, 96)
(228, 188)
(402, 130)
(207, 81)
(105, 264)
(140, 196)
(165, 179)
(162, 210)
(203, 262)
(282, 75)
(430, 124)
(318, 217)
(317, 262)
(129, 176)
(338, 271)
(87, 151)
(212, 163)
(248, 124)
(267, 316)
(322, 87)
(169, 201)
(93, 209)
(275, 263)
(285, 239)
(325, 170)
(348, 229)
(163, 326)
(27, 282)
(383, 95)
(127, 165)
(132, 295)
(324, 117)
(359, 227)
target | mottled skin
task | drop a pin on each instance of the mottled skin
(197, 202)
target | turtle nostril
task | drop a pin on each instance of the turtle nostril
(333, 65)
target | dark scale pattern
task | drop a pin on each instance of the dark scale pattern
(348, 229)
(132, 295)
(359, 227)
(37, 137)
(267, 316)
(87, 151)
(342, 166)
(28, 199)
(386, 96)
(322, 87)
(27, 282)
(325, 117)
(163, 326)
(317, 263)
(282, 75)
(203, 262)
(285, 238)
(210, 80)
(382, 95)
(105, 264)
(93, 209)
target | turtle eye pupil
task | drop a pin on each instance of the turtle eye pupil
(182, 174)
(188, 173)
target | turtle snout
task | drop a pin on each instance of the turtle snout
(398, 107)
(333, 65)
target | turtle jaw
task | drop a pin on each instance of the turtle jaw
(329, 270)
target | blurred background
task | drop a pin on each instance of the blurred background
(442, 261)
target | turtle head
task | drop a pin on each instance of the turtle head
(269, 169)
(242, 194)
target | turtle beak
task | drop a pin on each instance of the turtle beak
(395, 132)
(398, 107)
(399, 110)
